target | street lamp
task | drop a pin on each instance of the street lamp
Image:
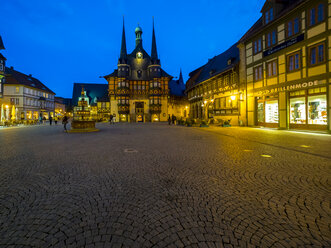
(233, 97)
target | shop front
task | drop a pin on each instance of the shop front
(267, 111)
(295, 106)
(308, 109)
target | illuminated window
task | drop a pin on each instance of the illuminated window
(139, 55)
(17, 89)
(298, 110)
(317, 111)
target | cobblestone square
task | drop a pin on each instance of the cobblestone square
(154, 185)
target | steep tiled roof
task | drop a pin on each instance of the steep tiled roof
(16, 77)
(93, 91)
(215, 66)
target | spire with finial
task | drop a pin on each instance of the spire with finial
(154, 50)
(180, 80)
(123, 55)
(138, 32)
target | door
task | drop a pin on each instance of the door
(140, 111)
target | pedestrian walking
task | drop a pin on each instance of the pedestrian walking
(169, 120)
(40, 119)
(173, 118)
(111, 117)
(65, 122)
(55, 120)
(50, 120)
(44, 120)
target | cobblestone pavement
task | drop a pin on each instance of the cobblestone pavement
(154, 185)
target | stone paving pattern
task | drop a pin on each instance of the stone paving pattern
(154, 185)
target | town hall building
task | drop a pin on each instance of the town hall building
(139, 87)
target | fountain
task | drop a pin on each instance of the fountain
(82, 120)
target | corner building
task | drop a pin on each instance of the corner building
(287, 65)
(138, 88)
(215, 92)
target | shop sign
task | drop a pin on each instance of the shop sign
(290, 87)
(284, 45)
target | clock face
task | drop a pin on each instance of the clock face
(139, 55)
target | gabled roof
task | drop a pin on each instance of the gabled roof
(215, 66)
(93, 91)
(16, 77)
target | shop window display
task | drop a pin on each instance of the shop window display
(298, 110)
(260, 112)
(317, 113)
(271, 111)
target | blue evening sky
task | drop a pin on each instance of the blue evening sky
(65, 41)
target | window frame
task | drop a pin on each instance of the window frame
(254, 74)
(267, 15)
(316, 21)
(257, 42)
(316, 53)
(267, 68)
(271, 38)
(288, 61)
(292, 21)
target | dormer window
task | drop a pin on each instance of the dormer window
(1, 67)
(269, 15)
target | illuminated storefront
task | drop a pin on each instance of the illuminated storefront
(308, 108)
(267, 111)
(304, 109)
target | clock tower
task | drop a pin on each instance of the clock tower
(138, 88)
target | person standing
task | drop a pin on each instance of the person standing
(169, 120)
(55, 120)
(173, 119)
(65, 122)
(50, 120)
(111, 119)
(40, 119)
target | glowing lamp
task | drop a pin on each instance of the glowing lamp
(233, 98)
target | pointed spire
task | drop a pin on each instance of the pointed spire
(123, 54)
(154, 50)
(180, 80)
(2, 47)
